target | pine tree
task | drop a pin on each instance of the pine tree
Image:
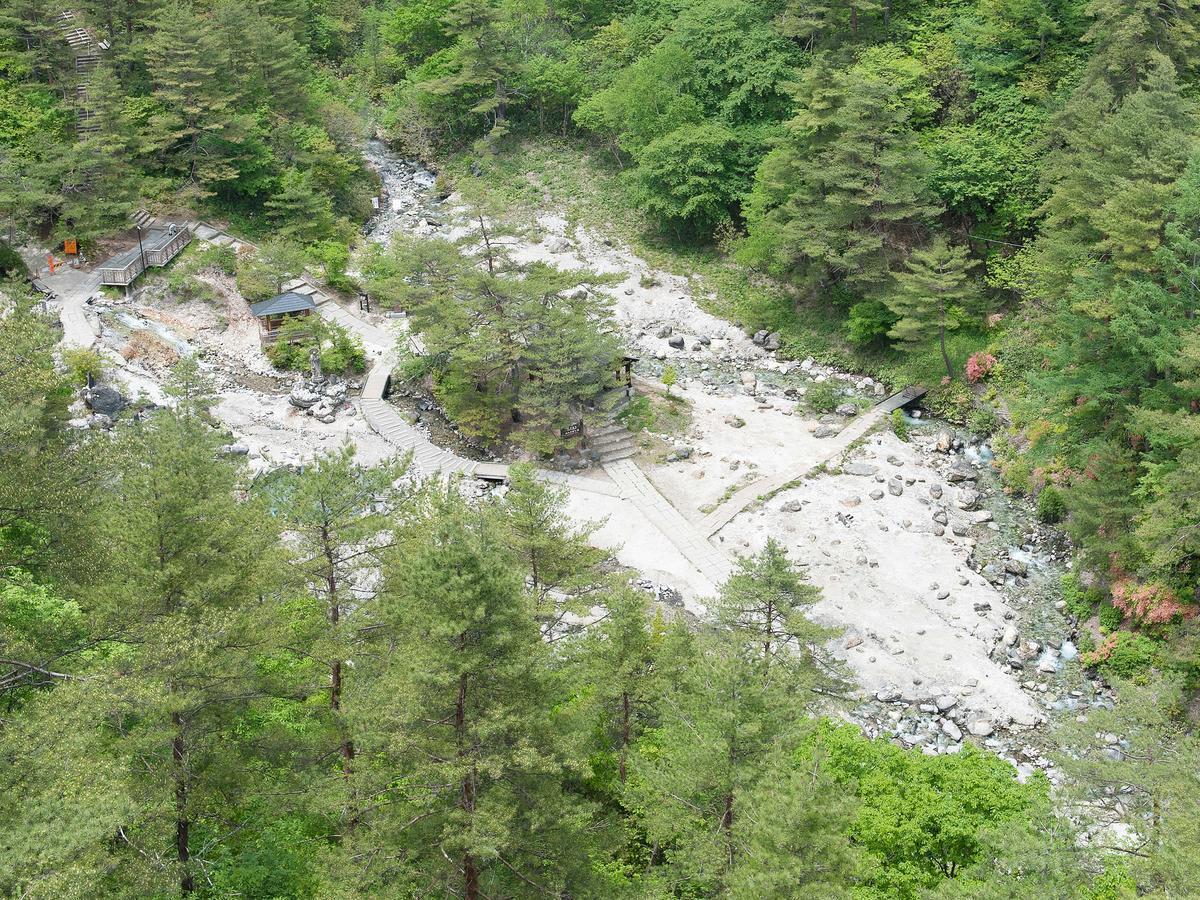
(338, 515)
(197, 128)
(614, 661)
(1126, 36)
(562, 566)
(735, 704)
(102, 181)
(1148, 780)
(844, 193)
(469, 780)
(934, 293)
(299, 212)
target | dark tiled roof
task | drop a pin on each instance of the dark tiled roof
(290, 302)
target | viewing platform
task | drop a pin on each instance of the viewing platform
(158, 247)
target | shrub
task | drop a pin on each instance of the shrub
(1147, 604)
(979, 365)
(214, 256)
(11, 262)
(669, 378)
(637, 415)
(340, 350)
(899, 425)
(868, 322)
(1110, 618)
(1051, 507)
(823, 396)
(982, 419)
(1124, 655)
(82, 362)
(1080, 601)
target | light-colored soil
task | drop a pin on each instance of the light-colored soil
(882, 567)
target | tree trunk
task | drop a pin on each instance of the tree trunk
(624, 732)
(945, 355)
(183, 853)
(467, 797)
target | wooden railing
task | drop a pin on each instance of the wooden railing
(158, 256)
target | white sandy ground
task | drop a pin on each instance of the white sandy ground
(881, 578)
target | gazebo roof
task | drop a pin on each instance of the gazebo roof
(281, 305)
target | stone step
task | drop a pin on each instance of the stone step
(615, 455)
(611, 441)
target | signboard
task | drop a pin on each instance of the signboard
(70, 246)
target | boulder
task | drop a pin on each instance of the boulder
(1011, 636)
(790, 506)
(846, 409)
(302, 398)
(1016, 567)
(824, 431)
(961, 471)
(771, 342)
(760, 337)
(951, 730)
(889, 694)
(105, 400)
(935, 491)
(944, 441)
(664, 331)
(967, 498)
(876, 494)
(735, 421)
(981, 727)
(749, 380)
(677, 342)
(895, 487)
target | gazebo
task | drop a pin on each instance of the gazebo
(271, 314)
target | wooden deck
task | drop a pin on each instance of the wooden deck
(158, 247)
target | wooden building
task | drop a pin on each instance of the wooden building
(271, 314)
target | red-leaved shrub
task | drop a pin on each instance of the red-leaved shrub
(979, 365)
(1148, 604)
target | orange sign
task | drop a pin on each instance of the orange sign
(70, 246)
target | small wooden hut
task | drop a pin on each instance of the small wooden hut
(271, 314)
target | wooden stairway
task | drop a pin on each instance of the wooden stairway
(87, 51)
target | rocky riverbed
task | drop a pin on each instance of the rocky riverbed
(945, 587)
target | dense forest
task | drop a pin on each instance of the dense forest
(343, 682)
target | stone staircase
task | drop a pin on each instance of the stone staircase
(611, 443)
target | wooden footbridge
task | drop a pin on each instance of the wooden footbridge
(158, 244)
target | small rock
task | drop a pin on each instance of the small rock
(981, 727)
(895, 487)
(859, 468)
(735, 421)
